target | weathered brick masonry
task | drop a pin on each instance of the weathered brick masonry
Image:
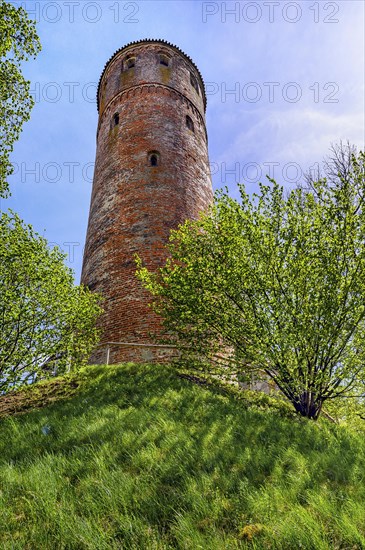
(151, 174)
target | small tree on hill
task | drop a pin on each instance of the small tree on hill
(45, 321)
(275, 284)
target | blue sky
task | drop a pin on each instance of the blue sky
(284, 81)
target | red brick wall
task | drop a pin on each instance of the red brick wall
(135, 205)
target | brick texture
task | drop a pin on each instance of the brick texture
(146, 92)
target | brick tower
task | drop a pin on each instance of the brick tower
(151, 174)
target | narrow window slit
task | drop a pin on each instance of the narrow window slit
(194, 83)
(189, 123)
(153, 158)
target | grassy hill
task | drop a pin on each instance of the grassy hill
(137, 457)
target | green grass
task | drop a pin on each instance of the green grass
(135, 457)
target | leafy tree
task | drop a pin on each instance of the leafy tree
(273, 284)
(19, 42)
(45, 321)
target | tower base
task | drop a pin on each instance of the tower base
(115, 352)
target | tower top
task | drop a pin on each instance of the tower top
(152, 41)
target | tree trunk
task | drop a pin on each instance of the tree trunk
(308, 405)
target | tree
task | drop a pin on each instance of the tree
(45, 321)
(19, 42)
(273, 284)
(336, 167)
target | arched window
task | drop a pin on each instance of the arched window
(129, 63)
(189, 123)
(116, 119)
(194, 83)
(153, 158)
(164, 60)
